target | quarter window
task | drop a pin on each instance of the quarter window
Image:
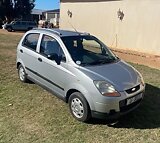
(31, 41)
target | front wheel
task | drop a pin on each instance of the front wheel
(79, 107)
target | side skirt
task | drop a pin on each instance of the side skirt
(47, 89)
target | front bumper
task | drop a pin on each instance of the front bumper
(115, 109)
(124, 109)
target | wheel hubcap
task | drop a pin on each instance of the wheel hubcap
(77, 108)
(21, 73)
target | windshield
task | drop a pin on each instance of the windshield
(88, 50)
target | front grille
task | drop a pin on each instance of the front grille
(133, 89)
(124, 107)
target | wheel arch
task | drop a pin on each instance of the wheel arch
(85, 94)
(18, 63)
(10, 28)
(69, 92)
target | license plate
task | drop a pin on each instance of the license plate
(134, 99)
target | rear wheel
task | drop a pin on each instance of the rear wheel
(22, 74)
(79, 107)
(9, 29)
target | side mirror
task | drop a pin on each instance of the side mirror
(55, 57)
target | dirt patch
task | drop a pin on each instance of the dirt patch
(139, 58)
(127, 55)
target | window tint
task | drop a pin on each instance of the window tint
(50, 46)
(31, 41)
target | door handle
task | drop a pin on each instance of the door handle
(21, 50)
(39, 59)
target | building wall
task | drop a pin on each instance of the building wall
(139, 30)
(49, 15)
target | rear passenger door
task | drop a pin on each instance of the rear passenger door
(28, 54)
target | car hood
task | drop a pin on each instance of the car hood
(121, 75)
(8, 24)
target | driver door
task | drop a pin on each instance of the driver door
(52, 75)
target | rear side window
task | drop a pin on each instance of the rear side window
(30, 41)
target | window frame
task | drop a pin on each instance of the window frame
(57, 40)
(29, 47)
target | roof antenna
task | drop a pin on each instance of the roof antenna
(70, 14)
(73, 27)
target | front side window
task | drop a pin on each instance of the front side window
(88, 50)
(50, 46)
(31, 41)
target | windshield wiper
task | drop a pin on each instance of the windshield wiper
(103, 61)
(99, 62)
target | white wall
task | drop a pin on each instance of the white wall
(139, 30)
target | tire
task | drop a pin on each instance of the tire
(79, 107)
(9, 29)
(22, 74)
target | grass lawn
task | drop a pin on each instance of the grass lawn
(28, 113)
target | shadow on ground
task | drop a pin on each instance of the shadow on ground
(146, 116)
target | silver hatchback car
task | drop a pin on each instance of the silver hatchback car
(81, 70)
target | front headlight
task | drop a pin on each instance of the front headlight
(106, 89)
(141, 80)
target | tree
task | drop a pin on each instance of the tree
(22, 8)
(6, 9)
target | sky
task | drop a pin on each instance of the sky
(47, 4)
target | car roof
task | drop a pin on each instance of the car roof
(59, 32)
